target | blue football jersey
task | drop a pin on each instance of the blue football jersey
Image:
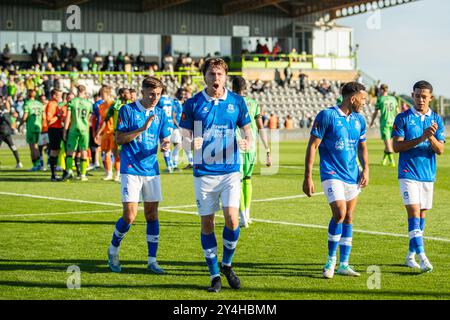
(340, 135)
(418, 163)
(96, 112)
(178, 110)
(139, 157)
(216, 121)
(166, 103)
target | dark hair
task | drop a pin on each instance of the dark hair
(132, 90)
(238, 84)
(384, 87)
(152, 83)
(351, 88)
(54, 91)
(423, 85)
(214, 63)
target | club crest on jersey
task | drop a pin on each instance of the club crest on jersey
(357, 125)
(412, 122)
(205, 110)
(138, 117)
(230, 108)
(340, 144)
(339, 123)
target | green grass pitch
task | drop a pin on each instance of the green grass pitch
(279, 257)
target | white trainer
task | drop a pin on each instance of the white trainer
(347, 271)
(425, 265)
(411, 262)
(328, 269)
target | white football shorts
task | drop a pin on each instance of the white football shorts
(43, 139)
(339, 190)
(176, 136)
(208, 190)
(417, 192)
(140, 188)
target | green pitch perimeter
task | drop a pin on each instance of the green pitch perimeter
(279, 257)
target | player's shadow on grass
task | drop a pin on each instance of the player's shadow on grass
(25, 178)
(324, 293)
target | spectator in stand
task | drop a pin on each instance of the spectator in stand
(287, 76)
(324, 87)
(140, 62)
(265, 49)
(293, 55)
(84, 61)
(258, 47)
(302, 79)
(276, 49)
(98, 62)
(289, 122)
(120, 62)
(109, 62)
(128, 67)
(273, 122)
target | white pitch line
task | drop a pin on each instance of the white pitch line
(167, 209)
(55, 213)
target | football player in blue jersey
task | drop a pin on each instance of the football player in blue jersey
(340, 135)
(419, 134)
(166, 104)
(140, 127)
(211, 118)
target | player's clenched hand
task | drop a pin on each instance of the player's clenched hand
(308, 186)
(430, 131)
(198, 143)
(165, 146)
(268, 159)
(148, 123)
(364, 178)
(244, 145)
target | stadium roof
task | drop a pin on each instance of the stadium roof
(291, 8)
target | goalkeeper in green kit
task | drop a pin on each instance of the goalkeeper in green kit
(388, 107)
(248, 158)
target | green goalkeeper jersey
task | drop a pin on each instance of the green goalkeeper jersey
(388, 108)
(80, 110)
(35, 110)
(253, 111)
